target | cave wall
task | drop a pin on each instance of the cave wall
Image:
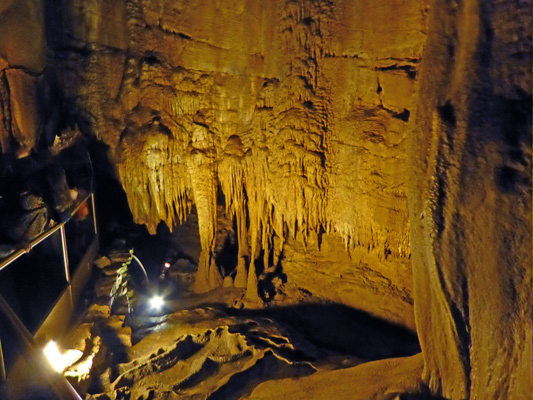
(318, 117)
(22, 63)
(470, 200)
(298, 110)
(367, 280)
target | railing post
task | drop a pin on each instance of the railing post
(2, 365)
(94, 214)
(58, 383)
(65, 253)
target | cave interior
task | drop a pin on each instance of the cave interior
(245, 199)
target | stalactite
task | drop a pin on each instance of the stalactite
(204, 186)
(274, 159)
(156, 181)
(231, 180)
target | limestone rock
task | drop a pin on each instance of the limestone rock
(78, 337)
(119, 256)
(5, 113)
(470, 201)
(98, 312)
(22, 33)
(241, 277)
(116, 329)
(185, 265)
(303, 127)
(228, 281)
(345, 154)
(379, 380)
(362, 279)
(102, 262)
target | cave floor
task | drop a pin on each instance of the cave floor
(213, 345)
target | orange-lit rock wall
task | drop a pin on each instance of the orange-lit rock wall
(333, 124)
(22, 63)
(297, 110)
(470, 200)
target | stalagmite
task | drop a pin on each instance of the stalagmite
(241, 278)
(204, 186)
(236, 205)
(252, 293)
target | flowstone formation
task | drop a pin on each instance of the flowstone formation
(470, 201)
(296, 111)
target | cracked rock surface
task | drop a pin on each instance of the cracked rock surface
(200, 351)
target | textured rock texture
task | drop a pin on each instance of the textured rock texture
(22, 33)
(391, 379)
(470, 200)
(296, 111)
(329, 124)
(361, 279)
(22, 61)
(216, 352)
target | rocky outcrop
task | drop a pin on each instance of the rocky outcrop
(365, 280)
(25, 113)
(386, 379)
(22, 31)
(22, 61)
(219, 352)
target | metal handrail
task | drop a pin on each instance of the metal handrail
(25, 250)
(57, 382)
(142, 267)
(61, 386)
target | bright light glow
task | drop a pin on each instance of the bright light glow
(71, 356)
(54, 356)
(82, 369)
(61, 361)
(167, 265)
(156, 302)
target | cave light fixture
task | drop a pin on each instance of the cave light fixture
(156, 303)
(60, 361)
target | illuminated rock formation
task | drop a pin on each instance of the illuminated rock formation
(299, 117)
(22, 61)
(346, 143)
(470, 201)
